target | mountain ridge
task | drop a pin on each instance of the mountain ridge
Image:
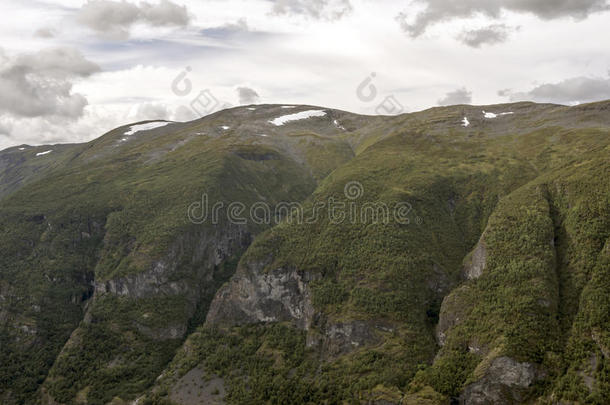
(110, 293)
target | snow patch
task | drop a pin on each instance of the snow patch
(491, 115)
(225, 127)
(251, 108)
(465, 122)
(44, 153)
(298, 116)
(285, 107)
(338, 125)
(145, 127)
(21, 148)
(263, 135)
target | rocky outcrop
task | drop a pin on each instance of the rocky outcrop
(254, 295)
(597, 336)
(282, 295)
(337, 338)
(476, 261)
(202, 251)
(154, 281)
(454, 310)
(171, 332)
(196, 388)
(188, 270)
(506, 381)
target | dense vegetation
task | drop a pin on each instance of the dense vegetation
(535, 194)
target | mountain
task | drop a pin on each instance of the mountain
(455, 254)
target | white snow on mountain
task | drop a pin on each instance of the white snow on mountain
(492, 115)
(296, 117)
(146, 127)
(338, 125)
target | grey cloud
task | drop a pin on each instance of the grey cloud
(39, 84)
(152, 111)
(227, 30)
(22, 96)
(44, 33)
(490, 35)
(164, 13)
(57, 62)
(184, 114)
(570, 91)
(319, 9)
(5, 128)
(443, 10)
(459, 96)
(247, 95)
(113, 19)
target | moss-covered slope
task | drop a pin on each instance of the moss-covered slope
(431, 262)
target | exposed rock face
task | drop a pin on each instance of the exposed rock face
(282, 295)
(203, 251)
(454, 310)
(198, 253)
(210, 248)
(173, 332)
(505, 382)
(3, 297)
(257, 296)
(334, 339)
(475, 263)
(195, 388)
(154, 281)
(597, 337)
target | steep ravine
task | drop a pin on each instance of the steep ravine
(197, 264)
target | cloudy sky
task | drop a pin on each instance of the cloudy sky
(71, 70)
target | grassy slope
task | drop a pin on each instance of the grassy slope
(112, 214)
(115, 210)
(455, 180)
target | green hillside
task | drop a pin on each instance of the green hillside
(471, 262)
